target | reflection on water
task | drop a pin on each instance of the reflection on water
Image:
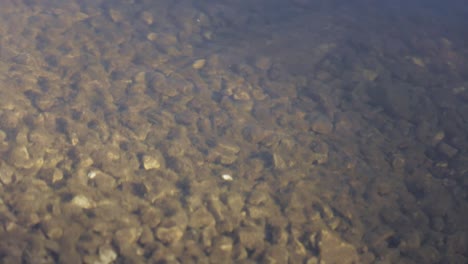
(214, 132)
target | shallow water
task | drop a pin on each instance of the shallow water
(299, 131)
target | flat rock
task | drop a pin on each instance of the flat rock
(335, 250)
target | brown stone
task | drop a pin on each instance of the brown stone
(251, 237)
(169, 235)
(335, 250)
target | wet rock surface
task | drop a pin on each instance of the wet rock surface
(215, 132)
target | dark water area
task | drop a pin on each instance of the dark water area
(300, 131)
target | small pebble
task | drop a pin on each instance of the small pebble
(82, 202)
(227, 177)
(92, 174)
(198, 64)
(107, 254)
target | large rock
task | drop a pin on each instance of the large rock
(398, 99)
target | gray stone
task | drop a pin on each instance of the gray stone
(321, 124)
(397, 98)
(447, 150)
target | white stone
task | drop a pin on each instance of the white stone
(153, 161)
(82, 201)
(227, 177)
(107, 254)
(92, 174)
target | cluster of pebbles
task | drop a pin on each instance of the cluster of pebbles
(129, 135)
